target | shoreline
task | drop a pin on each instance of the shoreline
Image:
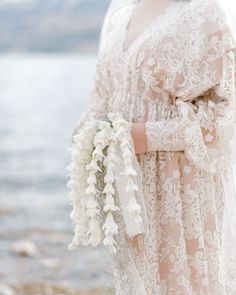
(47, 289)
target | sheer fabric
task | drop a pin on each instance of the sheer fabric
(177, 76)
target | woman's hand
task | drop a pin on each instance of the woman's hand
(139, 137)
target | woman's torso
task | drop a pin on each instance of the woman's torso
(139, 81)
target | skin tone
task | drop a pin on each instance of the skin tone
(145, 11)
(139, 137)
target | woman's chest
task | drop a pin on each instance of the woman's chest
(154, 52)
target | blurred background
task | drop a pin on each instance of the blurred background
(47, 58)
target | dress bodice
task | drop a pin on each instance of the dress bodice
(165, 61)
(135, 81)
(187, 52)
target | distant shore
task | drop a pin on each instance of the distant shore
(45, 289)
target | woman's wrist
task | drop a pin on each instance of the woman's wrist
(138, 132)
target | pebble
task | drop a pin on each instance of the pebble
(25, 248)
(50, 262)
(6, 290)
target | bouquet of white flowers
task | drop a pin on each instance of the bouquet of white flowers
(105, 180)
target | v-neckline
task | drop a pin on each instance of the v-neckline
(126, 49)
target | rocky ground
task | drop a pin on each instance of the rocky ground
(35, 224)
(34, 256)
(44, 289)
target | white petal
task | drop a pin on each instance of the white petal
(92, 178)
(127, 153)
(113, 157)
(133, 206)
(110, 225)
(124, 142)
(109, 204)
(131, 186)
(90, 190)
(93, 212)
(96, 233)
(128, 162)
(104, 125)
(91, 203)
(93, 166)
(130, 171)
(109, 177)
(108, 189)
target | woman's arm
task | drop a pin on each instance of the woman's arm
(205, 129)
(97, 104)
(199, 69)
(159, 136)
(139, 137)
(97, 100)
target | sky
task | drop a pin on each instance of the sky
(3, 2)
(14, 1)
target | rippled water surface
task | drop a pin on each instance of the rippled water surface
(41, 98)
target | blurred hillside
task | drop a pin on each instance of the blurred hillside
(51, 26)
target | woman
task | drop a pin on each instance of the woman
(169, 68)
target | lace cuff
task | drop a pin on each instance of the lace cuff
(167, 135)
(206, 125)
(207, 150)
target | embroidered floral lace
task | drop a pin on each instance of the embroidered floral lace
(187, 52)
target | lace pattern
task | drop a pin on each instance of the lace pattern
(188, 52)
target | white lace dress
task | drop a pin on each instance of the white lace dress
(187, 52)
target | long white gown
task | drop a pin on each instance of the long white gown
(188, 52)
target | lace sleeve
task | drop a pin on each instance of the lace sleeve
(97, 100)
(202, 70)
(206, 124)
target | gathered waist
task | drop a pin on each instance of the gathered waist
(136, 107)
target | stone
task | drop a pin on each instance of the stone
(6, 290)
(50, 262)
(25, 248)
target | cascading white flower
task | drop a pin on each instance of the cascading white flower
(110, 227)
(80, 155)
(100, 142)
(87, 156)
(122, 127)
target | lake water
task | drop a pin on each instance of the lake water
(41, 98)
